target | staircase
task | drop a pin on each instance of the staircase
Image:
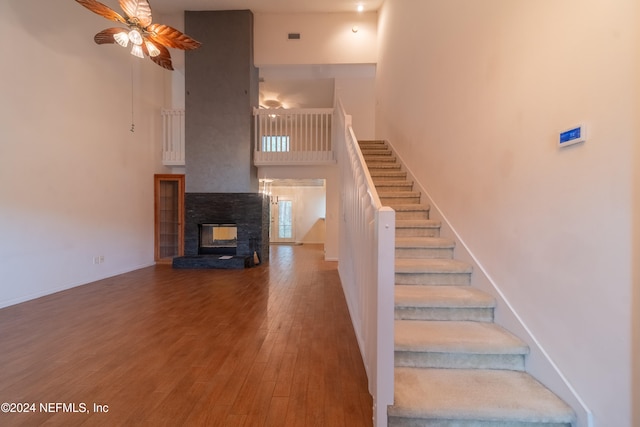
(454, 367)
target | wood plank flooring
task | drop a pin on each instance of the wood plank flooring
(267, 346)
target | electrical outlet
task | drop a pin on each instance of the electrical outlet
(96, 260)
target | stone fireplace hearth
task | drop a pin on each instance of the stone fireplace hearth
(247, 212)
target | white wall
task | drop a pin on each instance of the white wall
(296, 93)
(355, 87)
(473, 95)
(328, 48)
(309, 206)
(325, 38)
(74, 181)
(174, 82)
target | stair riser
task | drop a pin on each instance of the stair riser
(440, 253)
(413, 422)
(511, 362)
(384, 156)
(472, 314)
(417, 232)
(384, 151)
(386, 176)
(382, 166)
(382, 161)
(402, 215)
(382, 180)
(375, 150)
(399, 200)
(436, 279)
(387, 188)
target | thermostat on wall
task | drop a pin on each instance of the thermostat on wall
(572, 136)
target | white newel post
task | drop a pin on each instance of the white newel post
(386, 230)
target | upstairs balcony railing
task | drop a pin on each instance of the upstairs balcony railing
(293, 136)
(282, 137)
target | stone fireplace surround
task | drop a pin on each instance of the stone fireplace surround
(221, 88)
(250, 213)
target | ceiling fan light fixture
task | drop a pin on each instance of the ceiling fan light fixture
(136, 50)
(148, 38)
(152, 49)
(121, 38)
(135, 37)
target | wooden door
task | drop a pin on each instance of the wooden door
(169, 217)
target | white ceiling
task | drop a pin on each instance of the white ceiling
(266, 6)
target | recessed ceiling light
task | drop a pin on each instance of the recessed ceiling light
(360, 8)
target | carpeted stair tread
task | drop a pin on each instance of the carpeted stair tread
(432, 266)
(456, 337)
(474, 394)
(424, 242)
(442, 297)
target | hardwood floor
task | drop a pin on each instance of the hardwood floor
(267, 346)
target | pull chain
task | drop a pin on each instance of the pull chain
(133, 126)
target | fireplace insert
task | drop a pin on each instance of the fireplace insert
(218, 239)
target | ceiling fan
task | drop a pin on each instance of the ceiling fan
(146, 38)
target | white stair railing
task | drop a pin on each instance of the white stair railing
(293, 136)
(367, 266)
(173, 137)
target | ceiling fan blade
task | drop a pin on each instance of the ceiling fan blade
(138, 11)
(170, 37)
(106, 36)
(163, 60)
(102, 10)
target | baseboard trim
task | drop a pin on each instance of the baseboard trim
(36, 295)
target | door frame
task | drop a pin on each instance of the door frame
(274, 222)
(158, 179)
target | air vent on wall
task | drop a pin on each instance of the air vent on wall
(293, 36)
